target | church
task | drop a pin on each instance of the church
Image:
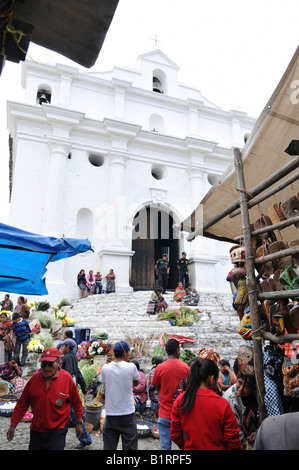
(122, 158)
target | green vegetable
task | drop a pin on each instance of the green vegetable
(158, 351)
(42, 306)
(63, 303)
(90, 373)
(187, 355)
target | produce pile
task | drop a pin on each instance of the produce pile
(183, 316)
(187, 355)
(159, 349)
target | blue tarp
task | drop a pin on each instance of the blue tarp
(25, 255)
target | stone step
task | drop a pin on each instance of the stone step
(124, 315)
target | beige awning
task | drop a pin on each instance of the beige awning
(273, 143)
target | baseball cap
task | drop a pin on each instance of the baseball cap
(69, 342)
(121, 346)
(49, 355)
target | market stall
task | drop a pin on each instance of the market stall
(256, 205)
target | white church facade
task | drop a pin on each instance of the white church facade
(121, 158)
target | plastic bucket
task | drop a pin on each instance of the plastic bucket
(93, 415)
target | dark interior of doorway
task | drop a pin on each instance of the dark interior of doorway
(153, 235)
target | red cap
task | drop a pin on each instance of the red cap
(49, 355)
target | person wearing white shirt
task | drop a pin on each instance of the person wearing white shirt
(119, 377)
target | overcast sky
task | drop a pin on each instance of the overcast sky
(233, 51)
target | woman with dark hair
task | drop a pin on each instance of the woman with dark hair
(242, 398)
(202, 420)
(81, 281)
(110, 286)
(140, 390)
(22, 308)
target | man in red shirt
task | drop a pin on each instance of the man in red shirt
(50, 392)
(166, 379)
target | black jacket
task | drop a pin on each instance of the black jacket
(70, 364)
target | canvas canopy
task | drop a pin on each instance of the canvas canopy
(25, 255)
(73, 28)
(273, 143)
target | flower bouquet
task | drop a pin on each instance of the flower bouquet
(35, 346)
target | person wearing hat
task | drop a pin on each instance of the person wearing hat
(70, 364)
(182, 265)
(68, 334)
(119, 377)
(162, 272)
(50, 393)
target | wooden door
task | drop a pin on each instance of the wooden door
(143, 261)
(156, 237)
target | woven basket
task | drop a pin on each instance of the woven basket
(27, 418)
(4, 389)
(89, 427)
(8, 397)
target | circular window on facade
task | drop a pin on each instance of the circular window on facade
(96, 160)
(158, 172)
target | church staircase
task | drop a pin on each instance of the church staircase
(123, 316)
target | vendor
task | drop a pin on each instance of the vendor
(179, 293)
(5, 336)
(158, 300)
(7, 304)
(10, 370)
(140, 390)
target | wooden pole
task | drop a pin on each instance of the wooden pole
(294, 250)
(251, 285)
(277, 226)
(270, 193)
(278, 294)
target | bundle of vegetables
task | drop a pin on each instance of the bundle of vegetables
(90, 373)
(159, 351)
(186, 355)
(180, 316)
(100, 336)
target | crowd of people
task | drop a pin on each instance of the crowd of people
(93, 283)
(204, 404)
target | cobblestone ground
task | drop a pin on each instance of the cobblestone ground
(21, 439)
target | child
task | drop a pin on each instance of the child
(22, 331)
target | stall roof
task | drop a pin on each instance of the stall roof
(25, 255)
(73, 28)
(273, 142)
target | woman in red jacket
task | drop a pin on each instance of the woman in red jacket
(201, 420)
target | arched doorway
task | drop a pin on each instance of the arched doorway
(152, 236)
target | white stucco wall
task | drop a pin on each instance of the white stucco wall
(109, 115)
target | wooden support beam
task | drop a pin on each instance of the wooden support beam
(278, 294)
(270, 228)
(268, 194)
(285, 170)
(279, 254)
(251, 285)
(282, 339)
